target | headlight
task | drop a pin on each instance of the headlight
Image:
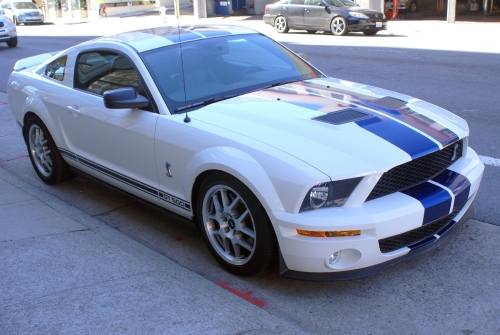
(359, 15)
(7, 22)
(330, 194)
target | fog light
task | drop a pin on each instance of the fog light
(334, 257)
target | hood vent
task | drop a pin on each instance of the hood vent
(343, 116)
(390, 103)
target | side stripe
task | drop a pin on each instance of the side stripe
(408, 140)
(150, 190)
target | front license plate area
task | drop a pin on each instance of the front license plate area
(378, 24)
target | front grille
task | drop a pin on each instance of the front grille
(1, 24)
(417, 235)
(416, 171)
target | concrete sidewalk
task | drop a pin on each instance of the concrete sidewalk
(64, 271)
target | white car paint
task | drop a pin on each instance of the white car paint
(271, 145)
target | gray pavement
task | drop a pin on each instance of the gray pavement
(64, 271)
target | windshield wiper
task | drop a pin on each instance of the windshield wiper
(205, 102)
(280, 83)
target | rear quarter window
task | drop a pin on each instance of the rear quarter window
(55, 69)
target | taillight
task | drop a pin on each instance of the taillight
(265, 10)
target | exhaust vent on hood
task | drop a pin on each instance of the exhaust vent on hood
(389, 102)
(343, 116)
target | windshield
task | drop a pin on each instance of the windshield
(213, 69)
(24, 5)
(342, 3)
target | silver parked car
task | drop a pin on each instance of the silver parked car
(8, 31)
(22, 12)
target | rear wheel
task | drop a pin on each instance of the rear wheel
(281, 24)
(16, 21)
(339, 26)
(12, 43)
(43, 152)
(235, 226)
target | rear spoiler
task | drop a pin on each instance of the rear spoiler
(32, 61)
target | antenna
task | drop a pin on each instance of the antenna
(187, 119)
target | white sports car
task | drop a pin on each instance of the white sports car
(274, 161)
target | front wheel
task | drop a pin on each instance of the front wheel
(15, 20)
(281, 24)
(43, 152)
(235, 226)
(12, 43)
(339, 26)
(413, 7)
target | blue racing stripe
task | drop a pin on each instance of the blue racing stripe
(457, 183)
(407, 139)
(435, 199)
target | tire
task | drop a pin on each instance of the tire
(413, 16)
(339, 26)
(413, 7)
(311, 31)
(370, 33)
(43, 152)
(16, 21)
(235, 226)
(281, 25)
(12, 43)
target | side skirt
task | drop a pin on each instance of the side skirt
(134, 198)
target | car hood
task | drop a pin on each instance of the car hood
(363, 10)
(341, 128)
(30, 11)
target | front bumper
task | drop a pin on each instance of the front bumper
(366, 25)
(30, 19)
(306, 258)
(7, 33)
(403, 6)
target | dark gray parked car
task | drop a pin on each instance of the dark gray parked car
(338, 16)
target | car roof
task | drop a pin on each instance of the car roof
(149, 39)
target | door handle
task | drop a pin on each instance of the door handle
(306, 9)
(72, 109)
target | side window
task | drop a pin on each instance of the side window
(296, 2)
(315, 2)
(101, 71)
(55, 69)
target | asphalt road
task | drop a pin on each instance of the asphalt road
(454, 289)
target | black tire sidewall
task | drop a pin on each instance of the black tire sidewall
(265, 253)
(285, 30)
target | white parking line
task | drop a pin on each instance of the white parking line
(490, 161)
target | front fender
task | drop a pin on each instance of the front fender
(238, 164)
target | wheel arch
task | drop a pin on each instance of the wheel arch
(240, 165)
(33, 106)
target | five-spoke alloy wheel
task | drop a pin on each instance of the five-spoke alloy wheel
(281, 24)
(235, 227)
(339, 26)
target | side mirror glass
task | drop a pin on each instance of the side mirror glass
(124, 98)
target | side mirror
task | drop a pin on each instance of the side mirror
(124, 98)
(327, 9)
